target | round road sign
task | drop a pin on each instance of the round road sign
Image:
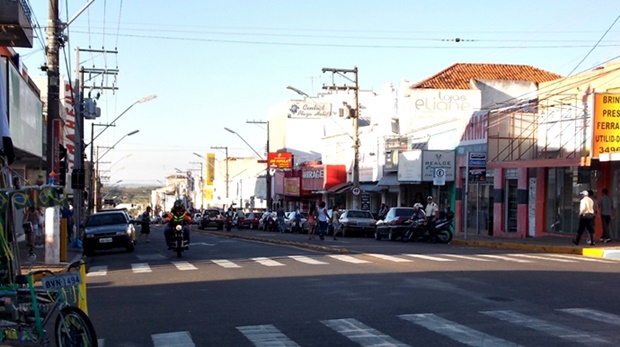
(356, 191)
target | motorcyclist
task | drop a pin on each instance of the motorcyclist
(177, 214)
(418, 212)
(432, 215)
(230, 214)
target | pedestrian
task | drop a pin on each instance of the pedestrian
(432, 214)
(145, 224)
(586, 217)
(31, 219)
(323, 218)
(311, 223)
(280, 217)
(240, 217)
(383, 210)
(336, 220)
(606, 208)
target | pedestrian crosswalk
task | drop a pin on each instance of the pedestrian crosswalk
(143, 267)
(506, 328)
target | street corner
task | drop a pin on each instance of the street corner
(601, 252)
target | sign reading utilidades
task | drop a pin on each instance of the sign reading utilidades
(606, 124)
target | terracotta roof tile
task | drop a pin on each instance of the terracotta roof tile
(459, 75)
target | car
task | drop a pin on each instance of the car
(251, 220)
(290, 225)
(196, 218)
(212, 218)
(107, 230)
(393, 225)
(357, 221)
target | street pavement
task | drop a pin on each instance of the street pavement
(549, 244)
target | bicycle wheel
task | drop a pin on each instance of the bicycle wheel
(74, 328)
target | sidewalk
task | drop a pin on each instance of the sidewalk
(27, 264)
(549, 244)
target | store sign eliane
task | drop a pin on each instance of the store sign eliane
(606, 129)
(444, 100)
(280, 160)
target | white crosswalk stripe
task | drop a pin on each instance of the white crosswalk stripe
(97, 271)
(348, 259)
(501, 257)
(176, 339)
(582, 258)
(307, 260)
(390, 258)
(140, 268)
(226, 263)
(361, 333)
(428, 257)
(266, 336)
(455, 331)
(594, 315)
(466, 257)
(184, 265)
(553, 329)
(267, 261)
(538, 257)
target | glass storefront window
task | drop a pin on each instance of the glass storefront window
(562, 200)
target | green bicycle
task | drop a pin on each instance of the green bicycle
(26, 309)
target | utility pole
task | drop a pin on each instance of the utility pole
(226, 149)
(268, 174)
(53, 87)
(356, 142)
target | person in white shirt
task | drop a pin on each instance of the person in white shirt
(432, 214)
(586, 217)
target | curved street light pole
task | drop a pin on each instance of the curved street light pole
(242, 139)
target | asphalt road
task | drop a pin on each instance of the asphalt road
(234, 292)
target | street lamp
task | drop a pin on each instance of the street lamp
(242, 139)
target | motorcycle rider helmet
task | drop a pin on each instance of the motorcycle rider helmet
(178, 203)
(418, 205)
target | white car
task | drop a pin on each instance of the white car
(196, 218)
(289, 222)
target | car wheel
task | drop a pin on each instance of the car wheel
(391, 235)
(377, 235)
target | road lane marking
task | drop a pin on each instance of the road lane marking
(266, 336)
(97, 271)
(466, 257)
(140, 268)
(494, 256)
(362, 334)
(594, 315)
(531, 256)
(307, 260)
(428, 257)
(226, 263)
(561, 331)
(176, 339)
(348, 259)
(389, 257)
(582, 258)
(267, 262)
(455, 331)
(183, 265)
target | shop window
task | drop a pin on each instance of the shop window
(511, 216)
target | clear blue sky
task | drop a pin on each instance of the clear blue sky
(216, 64)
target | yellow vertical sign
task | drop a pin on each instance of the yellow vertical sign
(606, 125)
(210, 169)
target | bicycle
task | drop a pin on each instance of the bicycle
(25, 310)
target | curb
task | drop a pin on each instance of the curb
(520, 246)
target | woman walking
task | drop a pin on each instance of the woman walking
(311, 222)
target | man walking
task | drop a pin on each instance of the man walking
(606, 208)
(586, 217)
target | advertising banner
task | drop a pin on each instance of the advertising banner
(606, 125)
(300, 109)
(210, 169)
(280, 160)
(477, 167)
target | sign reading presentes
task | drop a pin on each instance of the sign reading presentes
(606, 127)
(280, 160)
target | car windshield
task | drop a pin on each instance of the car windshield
(105, 219)
(403, 212)
(213, 213)
(359, 214)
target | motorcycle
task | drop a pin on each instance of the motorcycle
(419, 231)
(179, 243)
(228, 223)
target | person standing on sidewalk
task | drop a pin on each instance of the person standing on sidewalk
(606, 208)
(323, 218)
(586, 217)
(280, 218)
(311, 222)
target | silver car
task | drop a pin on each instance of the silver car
(357, 221)
(107, 230)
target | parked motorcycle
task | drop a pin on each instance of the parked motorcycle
(419, 231)
(179, 243)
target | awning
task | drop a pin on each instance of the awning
(389, 179)
(339, 188)
(371, 187)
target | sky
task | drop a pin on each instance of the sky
(216, 64)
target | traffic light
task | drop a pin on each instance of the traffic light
(62, 165)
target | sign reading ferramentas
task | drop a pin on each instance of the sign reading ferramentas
(606, 126)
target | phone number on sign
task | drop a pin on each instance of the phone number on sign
(608, 149)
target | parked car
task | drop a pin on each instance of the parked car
(108, 230)
(357, 221)
(212, 218)
(289, 222)
(268, 222)
(393, 225)
(196, 217)
(251, 220)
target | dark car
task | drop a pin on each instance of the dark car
(393, 225)
(251, 220)
(357, 222)
(212, 218)
(108, 230)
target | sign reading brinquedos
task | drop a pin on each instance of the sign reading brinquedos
(606, 124)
